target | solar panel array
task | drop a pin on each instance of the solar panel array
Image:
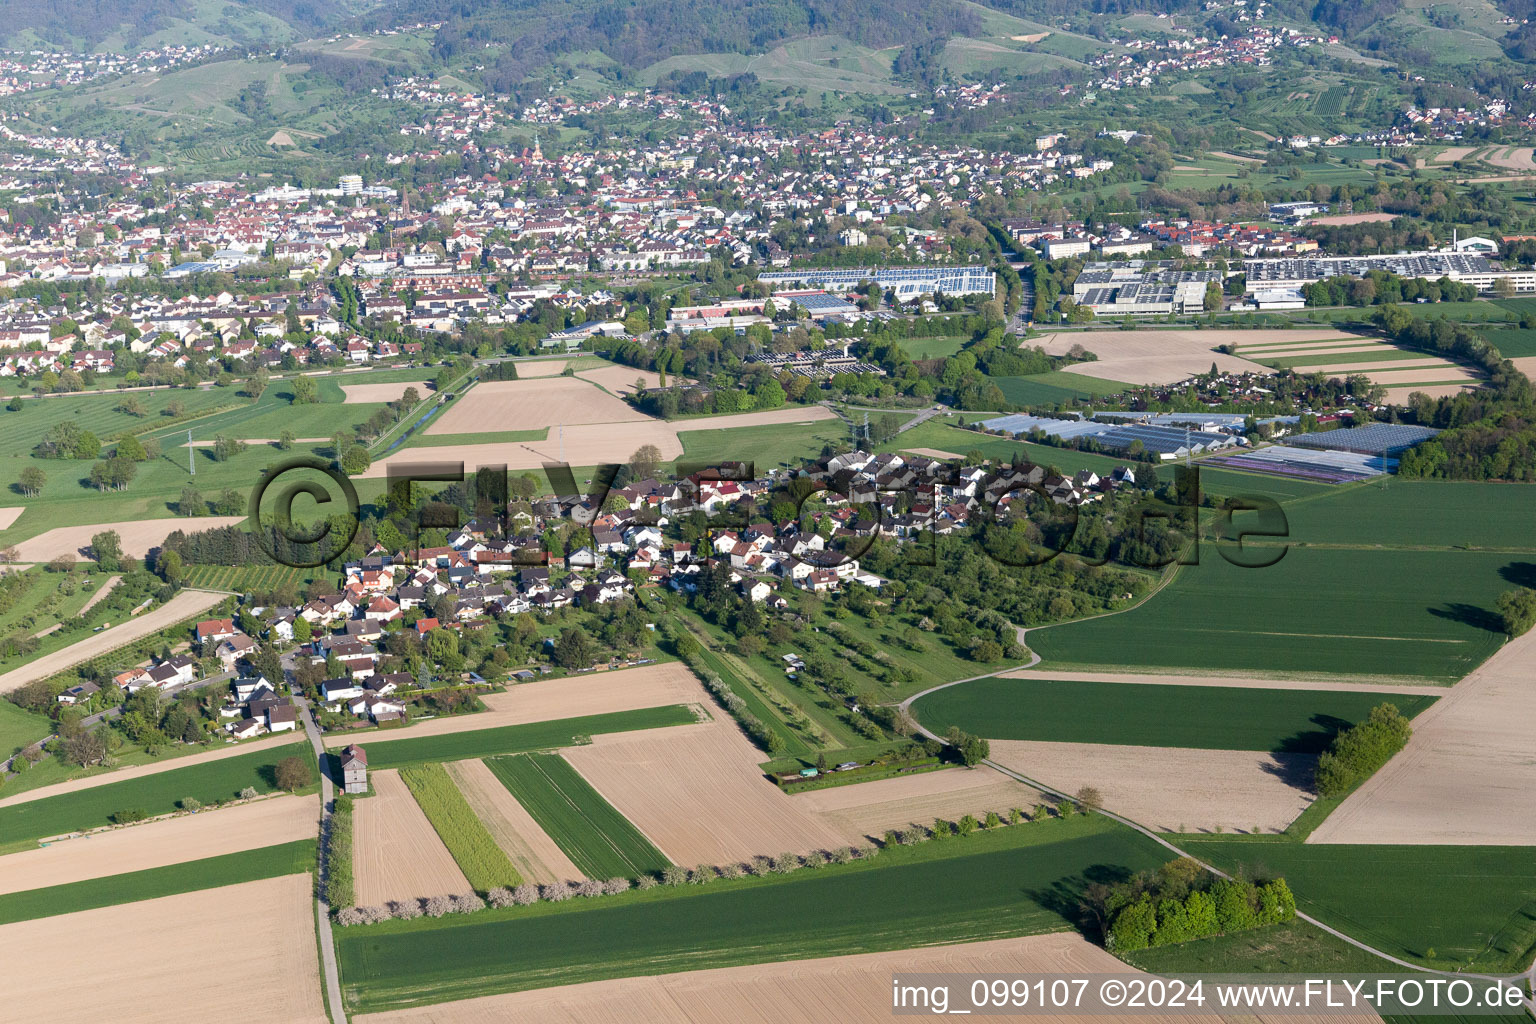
(1375, 439)
(1308, 464)
(1165, 440)
(1051, 427)
(1426, 265)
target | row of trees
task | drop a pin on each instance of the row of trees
(1357, 752)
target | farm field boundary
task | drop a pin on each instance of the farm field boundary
(151, 883)
(970, 889)
(597, 838)
(518, 739)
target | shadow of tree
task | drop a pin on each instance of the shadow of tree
(1064, 897)
(1298, 771)
(1470, 615)
(1313, 741)
(1519, 574)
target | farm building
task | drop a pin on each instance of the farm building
(354, 769)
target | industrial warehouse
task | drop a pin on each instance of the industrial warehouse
(906, 282)
(1157, 288)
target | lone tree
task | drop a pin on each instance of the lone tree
(356, 460)
(1090, 799)
(32, 481)
(305, 391)
(1517, 610)
(293, 773)
(191, 502)
(107, 549)
(646, 461)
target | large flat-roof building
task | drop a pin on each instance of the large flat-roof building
(1141, 289)
(907, 282)
(1467, 268)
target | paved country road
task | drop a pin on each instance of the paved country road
(327, 805)
(184, 605)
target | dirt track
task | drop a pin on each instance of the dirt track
(239, 953)
(695, 791)
(1173, 789)
(102, 591)
(1468, 774)
(536, 856)
(281, 819)
(184, 605)
(396, 853)
(848, 989)
(650, 686)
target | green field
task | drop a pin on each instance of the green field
(1056, 387)
(1019, 880)
(1139, 714)
(1380, 582)
(933, 348)
(157, 794)
(598, 839)
(1339, 611)
(518, 739)
(20, 728)
(248, 578)
(152, 883)
(1513, 343)
(1383, 355)
(769, 446)
(1475, 906)
(484, 863)
(1448, 516)
(21, 431)
(942, 435)
(424, 439)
